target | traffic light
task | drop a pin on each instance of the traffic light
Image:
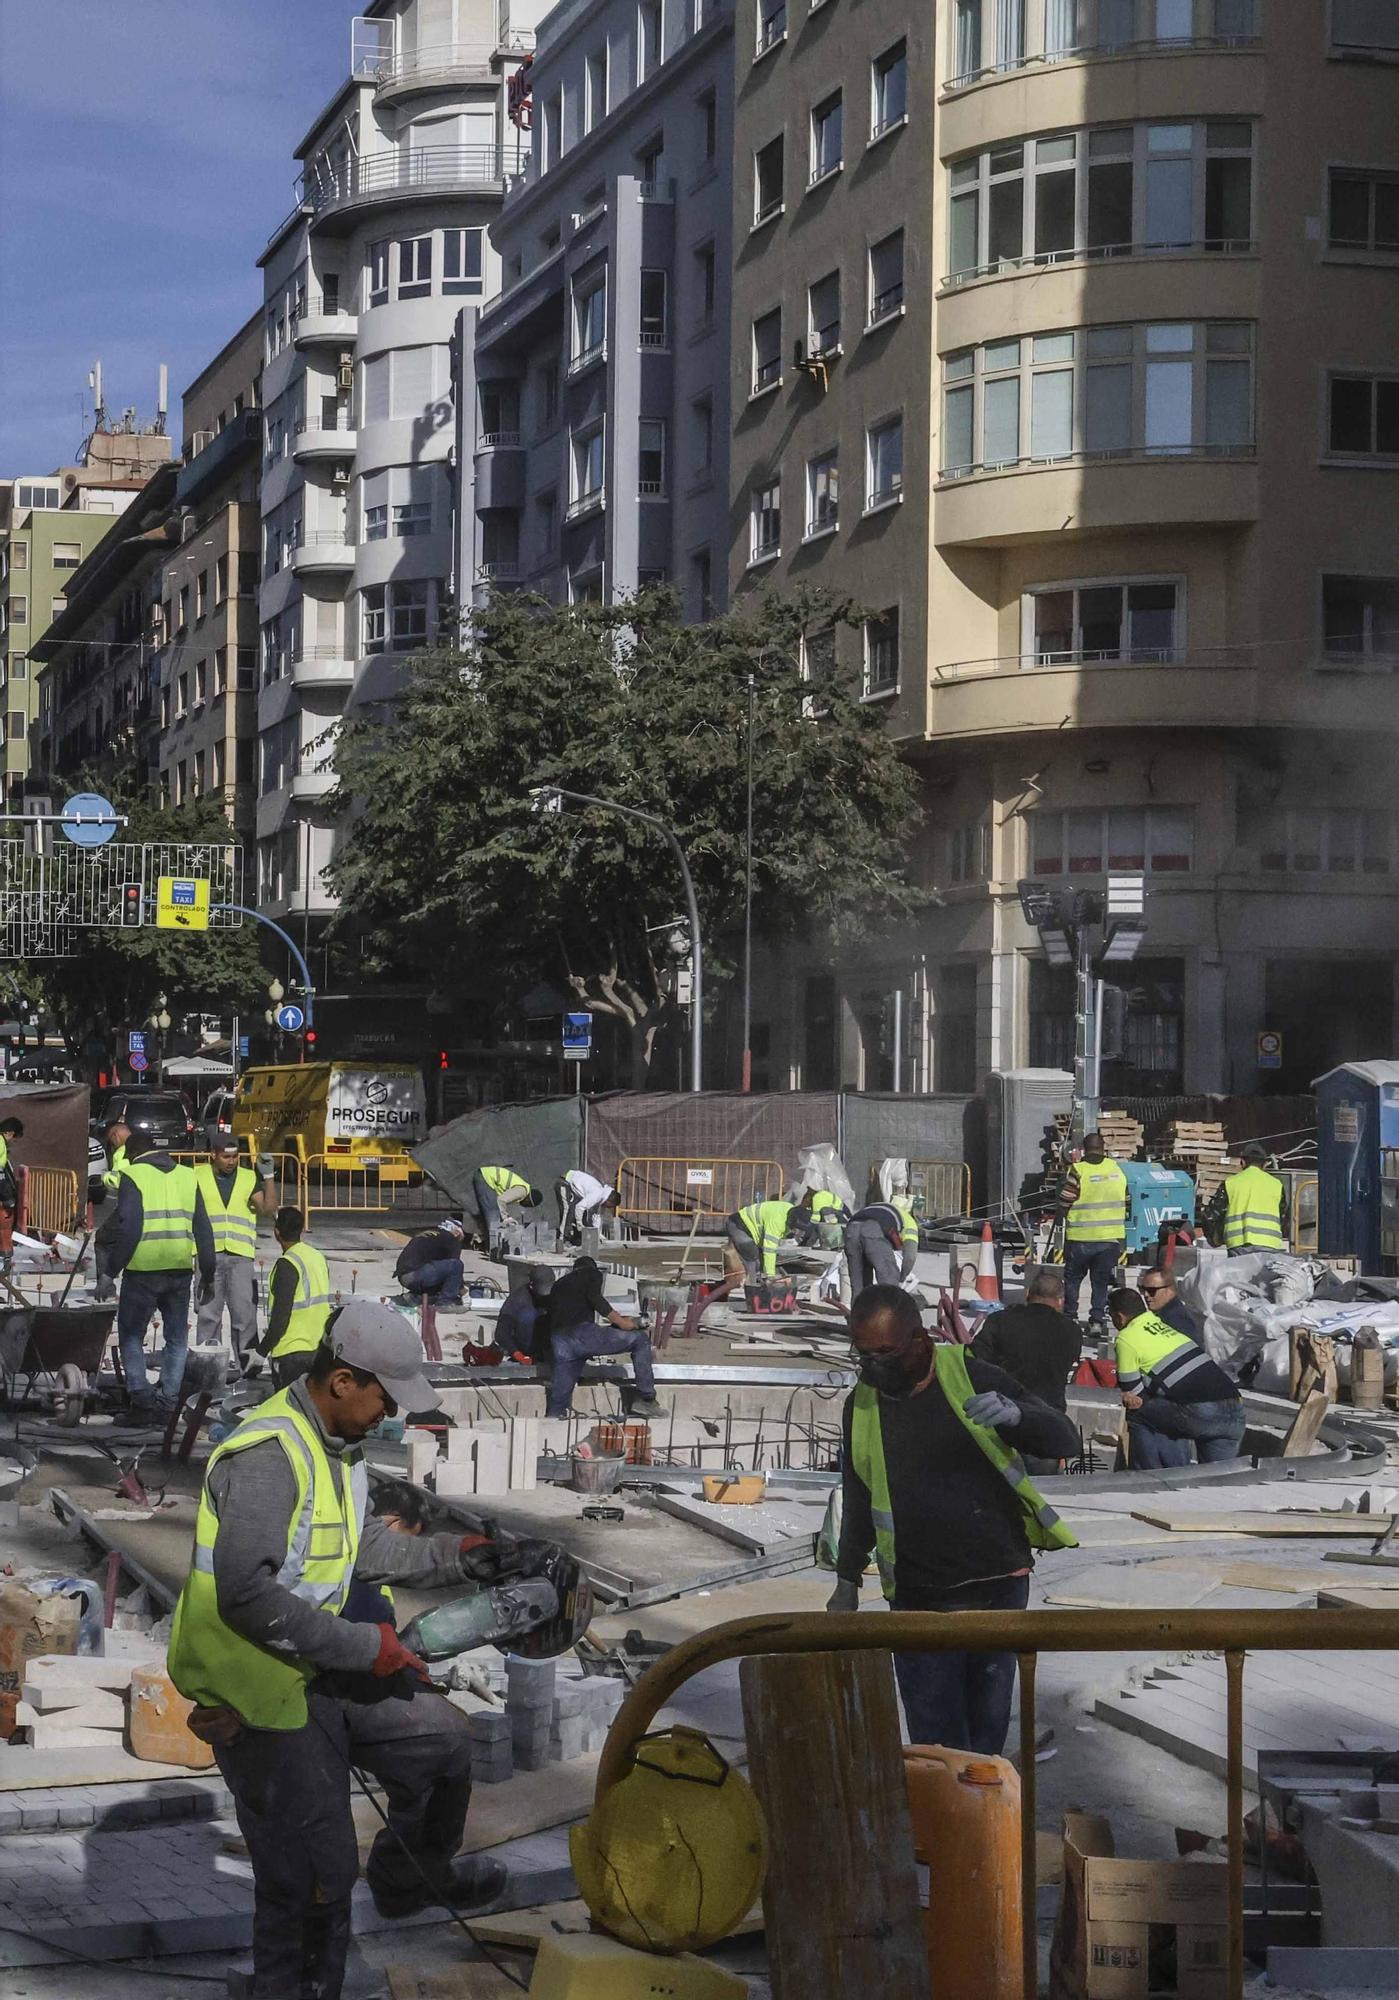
(442, 1062)
(132, 903)
(310, 1038)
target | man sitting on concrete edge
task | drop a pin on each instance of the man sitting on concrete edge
(934, 1483)
(291, 1694)
(1173, 1392)
(429, 1266)
(576, 1303)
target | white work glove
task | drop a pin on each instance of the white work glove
(845, 1597)
(266, 1166)
(469, 1679)
(995, 1411)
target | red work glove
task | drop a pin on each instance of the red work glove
(469, 1543)
(394, 1657)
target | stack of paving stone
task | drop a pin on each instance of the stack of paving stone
(557, 1715)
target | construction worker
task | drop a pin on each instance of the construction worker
(522, 1324)
(755, 1233)
(1174, 1394)
(1254, 1206)
(234, 1197)
(881, 1245)
(429, 1266)
(10, 1128)
(934, 1483)
(1158, 1288)
(291, 1694)
(160, 1230)
(569, 1324)
(300, 1300)
(495, 1188)
(1035, 1342)
(115, 1137)
(583, 1201)
(1095, 1228)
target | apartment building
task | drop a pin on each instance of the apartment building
(148, 672)
(400, 177)
(1097, 420)
(592, 399)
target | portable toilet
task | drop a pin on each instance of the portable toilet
(1357, 1136)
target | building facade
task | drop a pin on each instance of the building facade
(401, 176)
(592, 395)
(1101, 438)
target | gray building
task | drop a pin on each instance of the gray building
(592, 393)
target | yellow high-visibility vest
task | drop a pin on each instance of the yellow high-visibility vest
(1254, 1217)
(234, 1227)
(312, 1302)
(168, 1202)
(1099, 1214)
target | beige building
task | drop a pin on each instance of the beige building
(1099, 422)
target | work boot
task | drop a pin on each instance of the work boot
(475, 1883)
(647, 1407)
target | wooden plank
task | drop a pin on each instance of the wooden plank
(1306, 1425)
(757, 1530)
(826, 1762)
(450, 1982)
(521, 1930)
(1145, 1586)
(1338, 1598)
(1317, 1525)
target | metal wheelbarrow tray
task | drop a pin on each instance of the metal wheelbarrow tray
(58, 1349)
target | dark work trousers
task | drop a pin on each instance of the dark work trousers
(872, 1258)
(143, 1294)
(488, 1208)
(1098, 1263)
(440, 1281)
(291, 1792)
(573, 1349)
(1162, 1431)
(962, 1700)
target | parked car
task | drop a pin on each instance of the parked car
(96, 1167)
(217, 1118)
(165, 1114)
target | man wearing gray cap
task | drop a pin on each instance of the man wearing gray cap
(291, 1695)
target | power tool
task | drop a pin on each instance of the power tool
(537, 1604)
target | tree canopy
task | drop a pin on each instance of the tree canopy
(446, 868)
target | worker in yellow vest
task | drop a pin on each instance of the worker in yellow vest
(1095, 1229)
(1174, 1394)
(754, 1234)
(1255, 1207)
(300, 1301)
(934, 1482)
(234, 1197)
(291, 1693)
(160, 1230)
(495, 1188)
(10, 1128)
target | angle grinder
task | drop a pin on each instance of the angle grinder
(538, 1607)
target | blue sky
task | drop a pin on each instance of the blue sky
(145, 157)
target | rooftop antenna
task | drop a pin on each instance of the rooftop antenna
(94, 382)
(162, 401)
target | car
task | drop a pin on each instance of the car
(217, 1118)
(96, 1167)
(165, 1114)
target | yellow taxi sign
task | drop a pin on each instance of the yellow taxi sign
(182, 903)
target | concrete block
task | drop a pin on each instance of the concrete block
(569, 1701)
(99, 1706)
(569, 1738)
(77, 1812)
(422, 1456)
(532, 1759)
(492, 1462)
(455, 1480)
(490, 1726)
(524, 1454)
(51, 1733)
(34, 1812)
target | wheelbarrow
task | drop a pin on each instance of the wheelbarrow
(58, 1351)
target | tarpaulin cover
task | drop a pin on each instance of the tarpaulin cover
(884, 1127)
(1248, 1303)
(541, 1140)
(709, 1125)
(55, 1120)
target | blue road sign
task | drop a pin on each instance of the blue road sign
(88, 820)
(577, 1035)
(136, 1041)
(290, 1019)
(245, 1047)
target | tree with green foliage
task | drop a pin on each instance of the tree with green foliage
(446, 868)
(110, 982)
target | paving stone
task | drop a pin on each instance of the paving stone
(35, 1814)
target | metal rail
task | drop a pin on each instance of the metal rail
(1027, 1634)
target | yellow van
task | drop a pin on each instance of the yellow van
(345, 1115)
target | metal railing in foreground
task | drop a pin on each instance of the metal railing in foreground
(1027, 1634)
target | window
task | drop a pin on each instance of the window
(378, 273)
(67, 555)
(1088, 841)
(247, 573)
(201, 682)
(648, 162)
(551, 133)
(765, 521)
(653, 309)
(650, 459)
(18, 724)
(221, 671)
(221, 580)
(1156, 389)
(411, 501)
(201, 594)
(41, 494)
(1063, 26)
(827, 151)
(247, 667)
(886, 277)
(648, 38)
(966, 41)
(823, 315)
(1360, 619)
(882, 653)
(702, 436)
(884, 462)
(182, 697)
(374, 390)
(19, 555)
(888, 90)
(707, 127)
(408, 613)
(415, 267)
(767, 180)
(1066, 624)
(184, 608)
(1010, 33)
(701, 584)
(767, 350)
(19, 667)
(549, 392)
(595, 89)
(1318, 841)
(772, 24)
(499, 413)
(1364, 416)
(589, 320)
(18, 610)
(546, 515)
(822, 492)
(969, 853)
(1364, 211)
(500, 544)
(588, 466)
(1364, 27)
(462, 263)
(373, 612)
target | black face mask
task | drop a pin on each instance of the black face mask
(890, 1374)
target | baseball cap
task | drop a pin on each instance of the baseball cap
(370, 1335)
(450, 1222)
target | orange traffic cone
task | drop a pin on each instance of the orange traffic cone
(986, 1283)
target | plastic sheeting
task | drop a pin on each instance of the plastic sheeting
(820, 1169)
(706, 1125)
(1247, 1305)
(541, 1140)
(882, 1127)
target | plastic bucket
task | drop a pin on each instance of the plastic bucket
(597, 1475)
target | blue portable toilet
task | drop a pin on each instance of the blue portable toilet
(1357, 1144)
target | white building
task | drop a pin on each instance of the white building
(402, 174)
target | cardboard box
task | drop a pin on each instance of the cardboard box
(1132, 1930)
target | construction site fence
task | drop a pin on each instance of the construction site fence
(50, 1202)
(937, 1188)
(1026, 1634)
(671, 1196)
(331, 1182)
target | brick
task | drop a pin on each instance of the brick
(80, 1812)
(34, 1813)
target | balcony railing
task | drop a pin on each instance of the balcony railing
(1086, 51)
(1219, 246)
(497, 572)
(1178, 659)
(497, 440)
(587, 503)
(414, 170)
(658, 341)
(884, 305)
(1138, 454)
(430, 66)
(586, 356)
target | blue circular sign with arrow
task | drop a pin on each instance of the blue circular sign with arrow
(290, 1019)
(88, 820)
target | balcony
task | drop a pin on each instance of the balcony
(314, 326)
(587, 503)
(326, 551)
(1086, 493)
(413, 174)
(314, 443)
(1225, 25)
(441, 67)
(309, 780)
(240, 438)
(1019, 695)
(321, 667)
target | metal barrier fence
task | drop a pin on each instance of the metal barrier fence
(673, 1195)
(49, 1201)
(938, 1188)
(289, 1173)
(1027, 1634)
(339, 1183)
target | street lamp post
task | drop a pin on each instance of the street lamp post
(544, 798)
(1065, 920)
(160, 1022)
(748, 905)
